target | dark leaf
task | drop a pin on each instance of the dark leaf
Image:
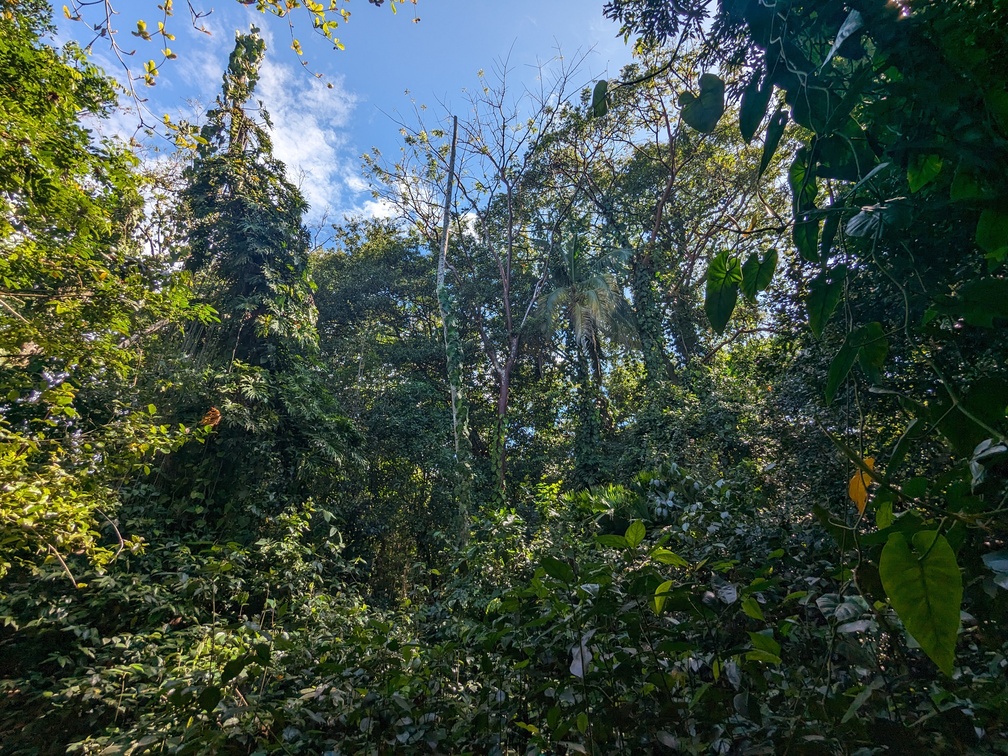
(774, 132)
(724, 275)
(755, 99)
(825, 291)
(703, 113)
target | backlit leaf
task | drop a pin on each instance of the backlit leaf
(704, 111)
(824, 294)
(857, 489)
(923, 169)
(757, 274)
(774, 132)
(635, 533)
(724, 276)
(664, 556)
(661, 594)
(751, 608)
(922, 580)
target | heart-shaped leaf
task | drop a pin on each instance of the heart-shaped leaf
(724, 275)
(757, 274)
(824, 294)
(922, 580)
(704, 111)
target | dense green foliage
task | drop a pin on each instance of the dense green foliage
(730, 470)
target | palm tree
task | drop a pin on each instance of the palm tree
(589, 304)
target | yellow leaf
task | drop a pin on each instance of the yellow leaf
(858, 487)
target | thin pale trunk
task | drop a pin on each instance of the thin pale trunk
(453, 356)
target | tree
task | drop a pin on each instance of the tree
(903, 131)
(253, 376)
(79, 303)
(677, 205)
(587, 299)
(504, 225)
(380, 335)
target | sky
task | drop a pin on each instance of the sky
(391, 64)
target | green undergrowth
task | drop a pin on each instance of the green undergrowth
(670, 615)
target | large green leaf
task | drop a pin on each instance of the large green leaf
(805, 235)
(802, 180)
(824, 294)
(829, 232)
(874, 348)
(774, 132)
(757, 274)
(755, 99)
(724, 275)
(992, 232)
(558, 570)
(704, 111)
(635, 533)
(923, 584)
(923, 169)
(600, 99)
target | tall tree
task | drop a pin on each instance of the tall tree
(505, 225)
(254, 375)
(79, 301)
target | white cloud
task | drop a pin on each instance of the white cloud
(309, 124)
(378, 209)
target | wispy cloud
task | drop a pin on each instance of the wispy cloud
(309, 133)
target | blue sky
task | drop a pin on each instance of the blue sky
(390, 64)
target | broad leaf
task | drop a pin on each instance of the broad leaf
(724, 276)
(851, 25)
(233, 668)
(868, 346)
(774, 132)
(600, 99)
(661, 594)
(829, 232)
(923, 169)
(967, 184)
(635, 533)
(839, 368)
(664, 556)
(703, 113)
(757, 274)
(209, 698)
(992, 232)
(802, 180)
(857, 489)
(558, 570)
(806, 238)
(925, 588)
(755, 99)
(751, 608)
(824, 294)
(612, 541)
(874, 348)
